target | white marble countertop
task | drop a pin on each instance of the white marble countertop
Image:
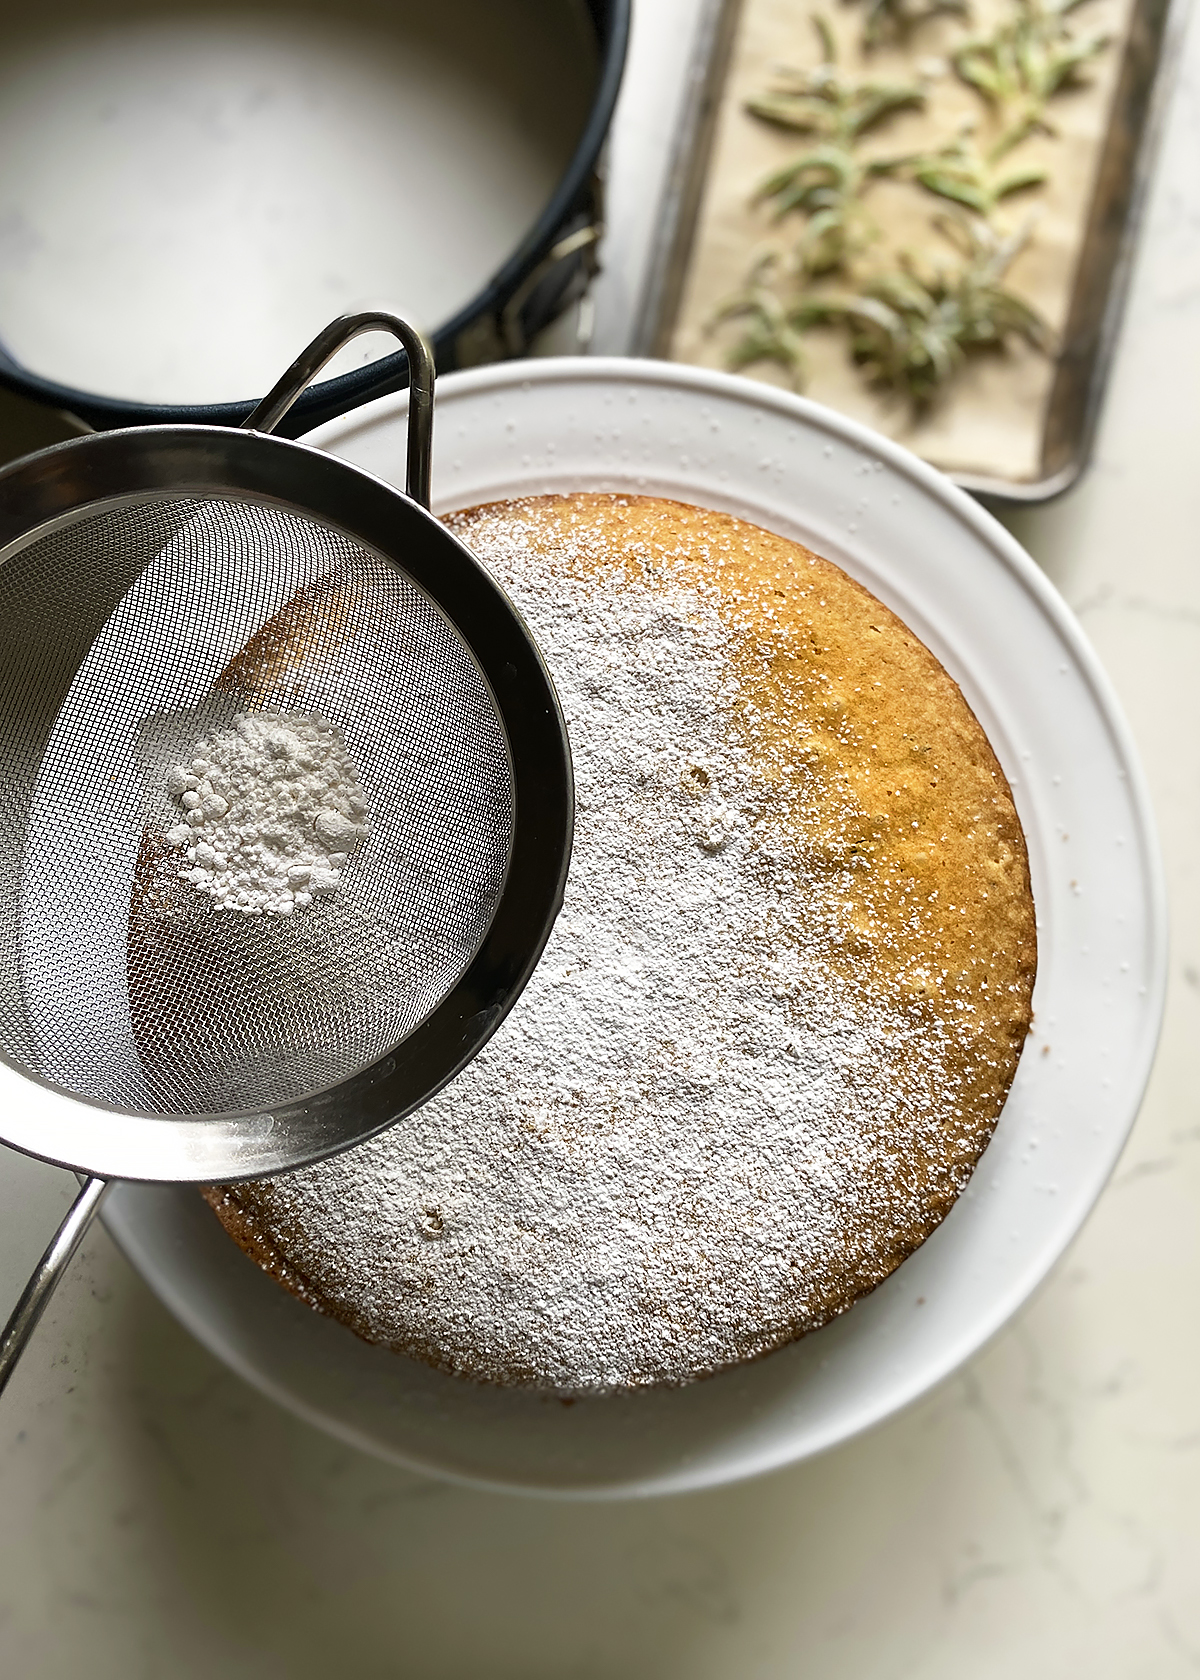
(1038, 1514)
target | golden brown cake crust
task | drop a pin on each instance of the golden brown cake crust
(883, 788)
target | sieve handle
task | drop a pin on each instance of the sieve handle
(324, 347)
(50, 1269)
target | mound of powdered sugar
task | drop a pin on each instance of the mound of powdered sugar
(656, 1166)
(272, 810)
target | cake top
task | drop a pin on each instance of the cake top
(777, 1016)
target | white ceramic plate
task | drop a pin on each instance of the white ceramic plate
(979, 602)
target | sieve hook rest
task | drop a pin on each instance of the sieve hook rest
(324, 347)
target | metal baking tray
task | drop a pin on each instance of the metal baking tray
(1125, 167)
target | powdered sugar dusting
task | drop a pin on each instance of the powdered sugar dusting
(671, 1155)
(272, 810)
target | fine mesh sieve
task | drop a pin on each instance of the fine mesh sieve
(156, 585)
(119, 981)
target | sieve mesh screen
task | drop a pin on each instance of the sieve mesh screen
(130, 634)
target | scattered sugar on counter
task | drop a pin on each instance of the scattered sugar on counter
(272, 811)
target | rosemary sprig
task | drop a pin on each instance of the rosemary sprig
(895, 20)
(1025, 62)
(827, 184)
(960, 172)
(911, 330)
(824, 101)
(773, 331)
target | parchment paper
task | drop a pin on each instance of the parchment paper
(990, 420)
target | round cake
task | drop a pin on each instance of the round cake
(776, 1020)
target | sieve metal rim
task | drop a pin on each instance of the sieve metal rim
(74, 479)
